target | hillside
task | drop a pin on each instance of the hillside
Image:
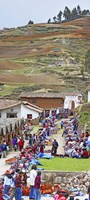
(83, 112)
(44, 57)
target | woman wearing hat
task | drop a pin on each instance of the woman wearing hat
(7, 184)
(18, 185)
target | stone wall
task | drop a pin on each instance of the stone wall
(67, 180)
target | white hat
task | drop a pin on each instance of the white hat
(23, 170)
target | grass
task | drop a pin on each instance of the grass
(7, 89)
(84, 114)
(66, 164)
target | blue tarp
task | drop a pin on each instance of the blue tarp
(45, 155)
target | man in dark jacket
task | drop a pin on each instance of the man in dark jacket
(54, 147)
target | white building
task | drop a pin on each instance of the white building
(88, 89)
(72, 101)
(12, 112)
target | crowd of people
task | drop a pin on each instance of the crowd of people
(77, 145)
(14, 180)
(65, 196)
(17, 175)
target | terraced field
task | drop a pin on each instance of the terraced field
(44, 57)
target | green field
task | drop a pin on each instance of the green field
(66, 164)
(63, 164)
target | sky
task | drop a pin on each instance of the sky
(14, 13)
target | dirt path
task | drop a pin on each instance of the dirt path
(59, 138)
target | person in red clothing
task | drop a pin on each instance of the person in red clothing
(21, 144)
(18, 185)
(57, 195)
(24, 178)
(37, 186)
(42, 147)
(85, 153)
(60, 196)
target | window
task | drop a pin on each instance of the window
(11, 115)
(47, 112)
(29, 116)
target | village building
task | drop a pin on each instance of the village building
(53, 102)
(32, 106)
(72, 101)
(88, 90)
(50, 102)
(13, 112)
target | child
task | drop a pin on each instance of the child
(57, 195)
(37, 186)
(60, 196)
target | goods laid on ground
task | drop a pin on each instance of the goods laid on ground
(11, 160)
(25, 190)
(47, 188)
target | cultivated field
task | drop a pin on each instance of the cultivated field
(44, 57)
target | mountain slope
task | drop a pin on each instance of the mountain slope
(44, 56)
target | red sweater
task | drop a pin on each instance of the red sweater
(18, 181)
(37, 182)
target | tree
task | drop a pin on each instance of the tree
(49, 20)
(87, 61)
(59, 16)
(74, 13)
(78, 10)
(54, 18)
(30, 22)
(67, 14)
(85, 12)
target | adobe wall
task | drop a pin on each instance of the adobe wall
(44, 103)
